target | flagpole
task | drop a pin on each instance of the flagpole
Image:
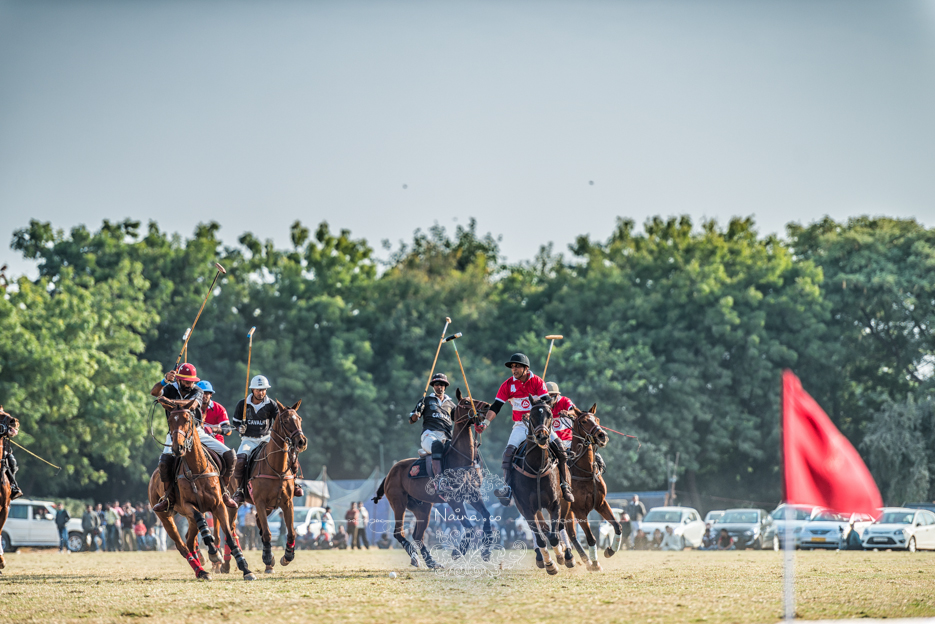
(788, 546)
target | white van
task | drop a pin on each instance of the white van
(32, 523)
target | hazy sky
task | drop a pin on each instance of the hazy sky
(255, 114)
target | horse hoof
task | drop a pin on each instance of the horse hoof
(284, 562)
(203, 576)
(215, 558)
(595, 567)
(569, 563)
(269, 569)
(455, 554)
(540, 563)
(249, 576)
(552, 569)
(414, 562)
(609, 552)
(225, 567)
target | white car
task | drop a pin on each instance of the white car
(685, 522)
(776, 533)
(308, 521)
(901, 528)
(828, 529)
(32, 523)
(713, 516)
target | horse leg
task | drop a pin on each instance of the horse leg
(479, 506)
(266, 536)
(422, 512)
(461, 514)
(225, 567)
(607, 513)
(571, 527)
(206, 537)
(593, 564)
(4, 511)
(168, 523)
(555, 531)
(227, 521)
(542, 541)
(287, 519)
(398, 503)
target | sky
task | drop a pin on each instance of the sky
(542, 120)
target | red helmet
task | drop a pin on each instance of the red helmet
(187, 372)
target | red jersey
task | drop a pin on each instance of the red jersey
(517, 393)
(214, 416)
(562, 426)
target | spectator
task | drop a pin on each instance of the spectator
(852, 539)
(725, 541)
(362, 526)
(61, 522)
(657, 540)
(127, 522)
(327, 523)
(150, 540)
(640, 541)
(709, 539)
(636, 510)
(384, 543)
(139, 530)
(340, 539)
(113, 516)
(671, 541)
(91, 525)
(352, 517)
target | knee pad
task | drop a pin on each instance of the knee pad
(438, 449)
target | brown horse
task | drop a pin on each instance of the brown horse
(9, 427)
(588, 487)
(271, 482)
(419, 495)
(535, 484)
(199, 491)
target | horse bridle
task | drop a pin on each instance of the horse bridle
(289, 443)
(188, 431)
(473, 417)
(545, 428)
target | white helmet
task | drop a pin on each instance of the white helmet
(259, 383)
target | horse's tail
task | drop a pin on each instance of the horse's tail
(380, 491)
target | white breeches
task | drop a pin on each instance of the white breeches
(519, 434)
(429, 436)
(208, 441)
(248, 444)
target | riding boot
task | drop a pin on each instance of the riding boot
(238, 477)
(505, 494)
(559, 451)
(297, 491)
(228, 460)
(166, 470)
(599, 461)
(12, 468)
(438, 450)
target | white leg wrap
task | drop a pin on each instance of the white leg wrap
(592, 553)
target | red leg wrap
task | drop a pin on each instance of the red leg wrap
(193, 562)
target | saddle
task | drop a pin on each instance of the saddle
(252, 459)
(519, 461)
(216, 464)
(419, 468)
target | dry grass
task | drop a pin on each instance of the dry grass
(355, 587)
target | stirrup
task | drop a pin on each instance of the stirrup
(163, 504)
(15, 493)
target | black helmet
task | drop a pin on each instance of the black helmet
(439, 377)
(518, 358)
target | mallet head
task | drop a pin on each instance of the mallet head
(250, 333)
(187, 332)
(554, 337)
(220, 268)
(452, 337)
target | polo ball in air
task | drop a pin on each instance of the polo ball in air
(393, 575)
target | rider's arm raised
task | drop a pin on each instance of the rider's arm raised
(162, 383)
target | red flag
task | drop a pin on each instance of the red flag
(821, 466)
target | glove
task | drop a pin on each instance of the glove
(479, 428)
(242, 429)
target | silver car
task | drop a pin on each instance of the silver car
(901, 528)
(828, 529)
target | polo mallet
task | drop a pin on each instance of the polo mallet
(435, 361)
(553, 338)
(452, 339)
(191, 329)
(246, 390)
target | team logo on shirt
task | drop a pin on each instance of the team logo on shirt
(525, 404)
(512, 387)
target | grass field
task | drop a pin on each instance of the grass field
(345, 586)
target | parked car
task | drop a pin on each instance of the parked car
(308, 521)
(776, 533)
(828, 529)
(901, 528)
(32, 523)
(605, 532)
(685, 522)
(747, 526)
(713, 516)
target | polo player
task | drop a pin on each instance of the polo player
(437, 426)
(8, 464)
(180, 386)
(520, 390)
(562, 410)
(254, 426)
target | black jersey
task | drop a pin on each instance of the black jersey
(259, 418)
(436, 414)
(174, 392)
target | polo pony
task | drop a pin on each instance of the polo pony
(9, 427)
(199, 491)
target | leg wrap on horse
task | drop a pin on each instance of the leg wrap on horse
(239, 478)
(506, 464)
(559, 451)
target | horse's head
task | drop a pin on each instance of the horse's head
(539, 423)
(587, 426)
(288, 426)
(469, 411)
(9, 426)
(181, 421)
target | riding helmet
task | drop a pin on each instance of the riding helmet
(439, 377)
(552, 387)
(187, 372)
(205, 386)
(518, 358)
(259, 383)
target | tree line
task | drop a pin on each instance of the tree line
(679, 334)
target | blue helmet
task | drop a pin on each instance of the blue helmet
(205, 386)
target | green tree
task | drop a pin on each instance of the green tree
(898, 453)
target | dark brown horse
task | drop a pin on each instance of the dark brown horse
(199, 491)
(588, 487)
(419, 495)
(271, 482)
(535, 484)
(9, 427)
